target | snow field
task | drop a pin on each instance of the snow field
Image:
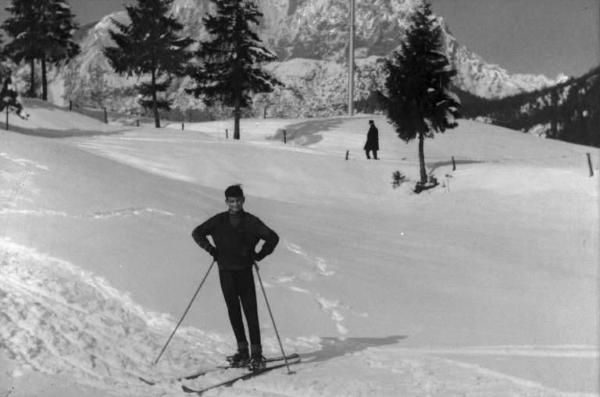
(381, 291)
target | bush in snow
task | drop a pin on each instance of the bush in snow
(398, 179)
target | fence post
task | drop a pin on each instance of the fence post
(70, 105)
(284, 137)
(453, 164)
(226, 133)
(105, 116)
(182, 125)
(347, 154)
(589, 157)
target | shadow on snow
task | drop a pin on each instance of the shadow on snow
(335, 347)
(306, 133)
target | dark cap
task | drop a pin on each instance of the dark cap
(234, 191)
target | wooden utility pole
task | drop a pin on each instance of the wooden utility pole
(598, 37)
(351, 62)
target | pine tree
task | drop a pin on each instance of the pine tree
(3, 67)
(420, 102)
(229, 67)
(150, 44)
(42, 31)
(58, 25)
(23, 28)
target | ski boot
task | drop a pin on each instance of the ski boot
(257, 362)
(240, 359)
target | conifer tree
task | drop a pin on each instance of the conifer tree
(58, 25)
(150, 45)
(41, 30)
(229, 66)
(23, 28)
(4, 69)
(2, 57)
(420, 102)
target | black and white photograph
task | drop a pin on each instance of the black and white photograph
(300, 198)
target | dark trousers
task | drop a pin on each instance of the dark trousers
(374, 153)
(240, 293)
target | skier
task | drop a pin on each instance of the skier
(235, 234)
(372, 144)
(9, 98)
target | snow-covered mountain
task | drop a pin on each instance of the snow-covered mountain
(313, 33)
(569, 111)
(488, 80)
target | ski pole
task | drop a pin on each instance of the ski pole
(272, 319)
(184, 313)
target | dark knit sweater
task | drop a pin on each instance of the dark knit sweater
(235, 245)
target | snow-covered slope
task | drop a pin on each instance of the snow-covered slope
(49, 120)
(484, 286)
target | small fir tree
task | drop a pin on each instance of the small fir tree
(92, 90)
(99, 90)
(150, 44)
(420, 102)
(229, 62)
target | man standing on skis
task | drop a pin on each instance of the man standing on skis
(235, 234)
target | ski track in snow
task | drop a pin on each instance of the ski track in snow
(558, 351)
(318, 267)
(18, 183)
(24, 162)
(118, 213)
(20, 186)
(316, 264)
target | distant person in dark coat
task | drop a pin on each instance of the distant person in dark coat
(235, 234)
(9, 98)
(372, 144)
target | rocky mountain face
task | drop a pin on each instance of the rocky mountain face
(311, 39)
(488, 80)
